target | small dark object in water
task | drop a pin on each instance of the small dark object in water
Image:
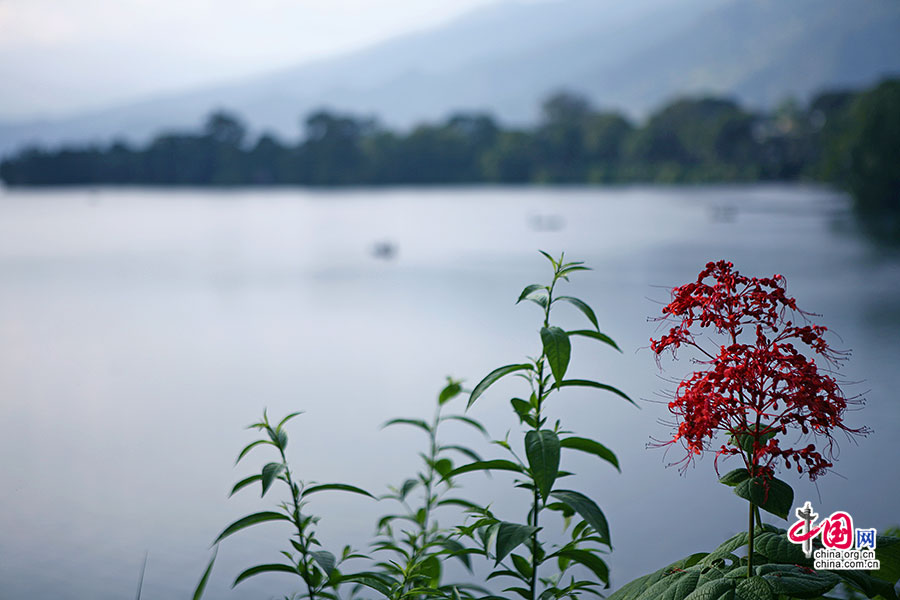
(384, 250)
(546, 222)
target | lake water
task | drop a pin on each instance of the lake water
(141, 330)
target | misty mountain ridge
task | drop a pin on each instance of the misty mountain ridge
(506, 58)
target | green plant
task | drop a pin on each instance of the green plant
(315, 566)
(413, 538)
(539, 471)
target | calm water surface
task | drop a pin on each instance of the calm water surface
(141, 330)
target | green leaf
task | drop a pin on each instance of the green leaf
(595, 335)
(588, 510)
(531, 289)
(272, 568)
(509, 536)
(522, 565)
(771, 495)
(492, 377)
(887, 551)
(454, 548)
(551, 259)
(795, 581)
(250, 447)
(269, 473)
(249, 520)
(462, 450)
(288, 418)
(596, 385)
(244, 483)
(745, 440)
(443, 466)
(542, 450)
(201, 586)
(450, 391)
(325, 559)
(583, 307)
(414, 422)
(591, 447)
(522, 408)
(589, 560)
(376, 581)
(733, 478)
(467, 421)
(341, 487)
(558, 349)
(754, 588)
(486, 465)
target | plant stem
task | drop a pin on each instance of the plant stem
(750, 542)
(535, 506)
(301, 539)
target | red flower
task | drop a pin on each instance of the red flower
(762, 380)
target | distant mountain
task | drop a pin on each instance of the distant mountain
(630, 56)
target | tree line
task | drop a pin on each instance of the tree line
(851, 138)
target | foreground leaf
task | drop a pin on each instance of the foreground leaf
(542, 450)
(340, 487)
(510, 535)
(201, 586)
(492, 377)
(591, 447)
(771, 495)
(588, 510)
(557, 349)
(250, 520)
(271, 568)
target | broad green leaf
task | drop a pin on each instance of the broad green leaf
(887, 551)
(754, 588)
(522, 565)
(288, 418)
(509, 536)
(325, 559)
(595, 335)
(872, 587)
(717, 589)
(530, 290)
(588, 510)
(778, 549)
(597, 385)
(589, 560)
(795, 581)
(583, 307)
(250, 447)
(414, 422)
(591, 447)
(486, 465)
(492, 377)
(341, 487)
(558, 349)
(249, 520)
(467, 421)
(201, 586)
(542, 450)
(450, 391)
(244, 483)
(521, 407)
(732, 478)
(273, 568)
(771, 495)
(269, 473)
(431, 568)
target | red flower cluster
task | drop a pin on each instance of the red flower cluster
(758, 384)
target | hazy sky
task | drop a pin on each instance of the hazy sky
(64, 56)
